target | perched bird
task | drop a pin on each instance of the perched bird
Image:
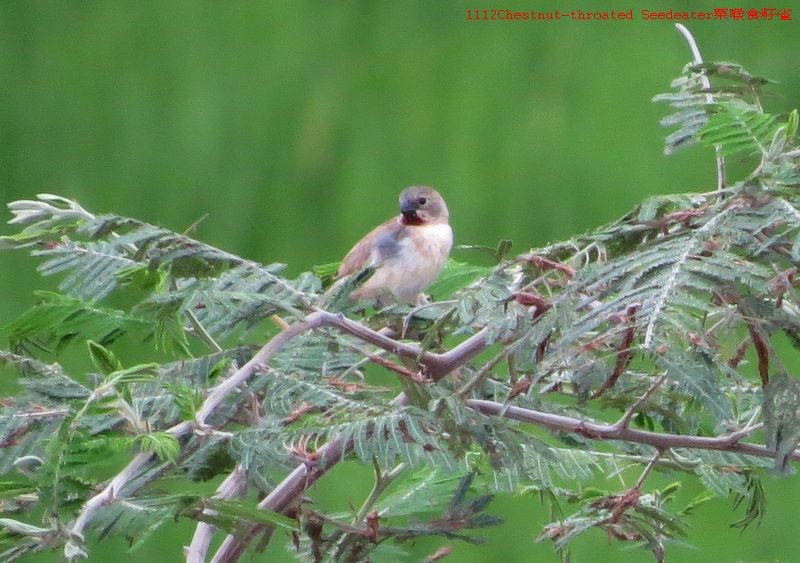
(406, 253)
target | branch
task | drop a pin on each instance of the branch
(437, 366)
(647, 471)
(698, 59)
(481, 375)
(304, 475)
(382, 482)
(594, 431)
(233, 486)
(284, 496)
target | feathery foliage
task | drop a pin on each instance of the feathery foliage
(663, 320)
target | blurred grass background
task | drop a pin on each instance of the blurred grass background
(295, 124)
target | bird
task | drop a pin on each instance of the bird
(402, 257)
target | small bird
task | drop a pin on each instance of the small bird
(406, 253)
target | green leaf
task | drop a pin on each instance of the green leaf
(697, 377)
(455, 276)
(164, 445)
(739, 128)
(58, 319)
(252, 514)
(141, 373)
(791, 124)
(103, 359)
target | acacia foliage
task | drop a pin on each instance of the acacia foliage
(665, 321)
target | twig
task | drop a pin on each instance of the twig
(198, 327)
(741, 350)
(201, 331)
(36, 414)
(631, 498)
(415, 310)
(233, 486)
(279, 322)
(388, 364)
(283, 496)
(735, 437)
(191, 229)
(698, 59)
(647, 470)
(625, 421)
(482, 373)
(364, 361)
(382, 482)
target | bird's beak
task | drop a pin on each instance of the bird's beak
(409, 209)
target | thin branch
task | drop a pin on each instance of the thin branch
(437, 365)
(233, 486)
(595, 431)
(388, 364)
(382, 482)
(201, 331)
(415, 310)
(735, 437)
(364, 361)
(197, 326)
(481, 375)
(625, 421)
(738, 355)
(647, 470)
(36, 414)
(698, 59)
(283, 496)
(631, 498)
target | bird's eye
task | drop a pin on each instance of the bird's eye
(422, 201)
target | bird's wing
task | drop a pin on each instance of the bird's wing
(378, 245)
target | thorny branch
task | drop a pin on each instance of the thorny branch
(293, 486)
(598, 431)
(305, 475)
(436, 366)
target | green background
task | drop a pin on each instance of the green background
(295, 124)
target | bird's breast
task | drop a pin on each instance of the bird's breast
(431, 243)
(419, 261)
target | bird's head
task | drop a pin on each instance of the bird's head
(421, 205)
